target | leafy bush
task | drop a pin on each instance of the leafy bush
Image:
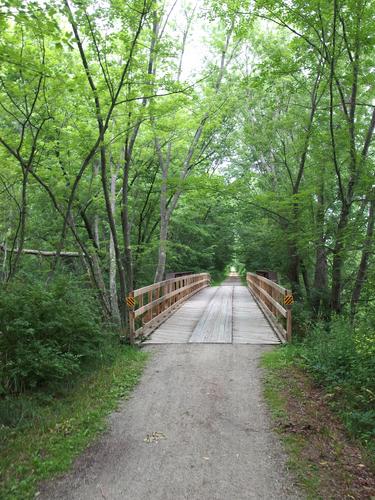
(46, 333)
(343, 359)
(302, 320)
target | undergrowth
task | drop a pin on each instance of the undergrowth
(326, 460)
(49, 332)
(42, 431)
(276, 362)
(342, 360)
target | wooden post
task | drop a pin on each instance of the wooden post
(288, 308)
(289, 323)
(140, 300)
(158, 295)
(131, 320)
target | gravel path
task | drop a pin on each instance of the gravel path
(195, 428)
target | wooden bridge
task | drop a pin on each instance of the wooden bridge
(188, 310)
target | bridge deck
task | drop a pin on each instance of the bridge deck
(222, 315)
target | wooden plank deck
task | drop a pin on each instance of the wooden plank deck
(249, 324)
(177, 329)
(225, 315)
(215, 324)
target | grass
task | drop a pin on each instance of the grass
(325, 460)
(56, 429)
(274, 362)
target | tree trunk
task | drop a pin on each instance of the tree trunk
(363, 265)
(306, 281)
(126, 228)
(319, 299)
(338, 260)
(112, 257)
(164, 222)
(4, 273)
(112, 225)
(319, 296)
(21, 229)
(294, 265)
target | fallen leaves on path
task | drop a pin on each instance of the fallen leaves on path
(154, 437)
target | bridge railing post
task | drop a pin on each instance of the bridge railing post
(289, 324)
(275, 302)
(130, 302)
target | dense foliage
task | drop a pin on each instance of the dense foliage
(343, 361)
(47, 333)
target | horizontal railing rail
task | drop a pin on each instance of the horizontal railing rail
(153, 304)
(272, 299)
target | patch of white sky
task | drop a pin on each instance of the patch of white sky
(175, 18)
(197, 49)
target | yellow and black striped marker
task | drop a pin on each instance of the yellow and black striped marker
(130, 302)
(288, 299)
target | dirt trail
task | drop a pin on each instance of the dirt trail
(195, 428)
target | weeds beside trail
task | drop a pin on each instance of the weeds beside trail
(54, 429)
(326, 460)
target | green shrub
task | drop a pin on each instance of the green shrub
(302, 320)
(47, 331)
(342, 359)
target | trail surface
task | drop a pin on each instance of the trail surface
(196, 427)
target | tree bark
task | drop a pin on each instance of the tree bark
(116, 248)
(21, 229)
(164, 216)
(112, 256)
(363, 265)
(319, 296)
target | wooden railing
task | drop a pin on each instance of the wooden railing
(153, 304)
(271, 298)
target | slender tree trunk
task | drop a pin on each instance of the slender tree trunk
(96, 168)
(95, 268)
(306, 281)
(21, 229)
(294, 268)
(338, 260)
(112, 256)
(363, 265)
(117, 252)
(354, 164)
(164, 222)
(4, 273)
(319, 296)
(126, 227)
